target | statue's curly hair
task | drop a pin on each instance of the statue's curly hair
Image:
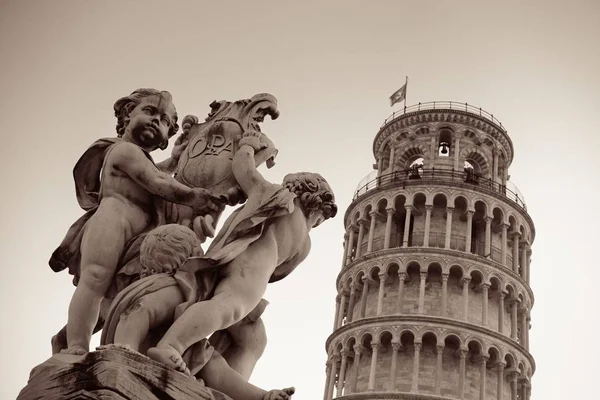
(126, 104)
(166, 248)
(313, 191)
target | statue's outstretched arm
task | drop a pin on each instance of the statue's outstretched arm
(244, 167)
(131, 160)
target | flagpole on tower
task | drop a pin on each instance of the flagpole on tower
(405, 86)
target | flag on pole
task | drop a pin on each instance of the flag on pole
(398, 95)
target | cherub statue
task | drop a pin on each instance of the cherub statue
(202, 157)
(121, 184)
(141, 311)
(261, 242)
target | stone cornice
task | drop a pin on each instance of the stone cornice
(384, 255)
(429, 322)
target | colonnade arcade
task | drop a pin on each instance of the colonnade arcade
(477, 295)
(426, 360)
(435, 218)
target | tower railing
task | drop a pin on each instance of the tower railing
(422, 175)
(445, 105)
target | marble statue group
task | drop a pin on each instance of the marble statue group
(136, 256)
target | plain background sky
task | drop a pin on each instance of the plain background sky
(332, 65)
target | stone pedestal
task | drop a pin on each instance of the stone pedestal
(112, 373)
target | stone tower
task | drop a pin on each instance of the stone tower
(433, 295)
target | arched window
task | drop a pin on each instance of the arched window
(444, 142)
(415, 168)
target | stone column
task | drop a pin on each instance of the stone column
(361, 236)
(438, 369)
(401, 278)
(406, 226)
(379, 166)
(513, 385)
(373, 215)
(468, 232)
(513, 333)
(488, 237)
(357, 352)
(528, 277)
(515, 251)
(375, 346)
(388, 227)
(524, 261)
(395, 347)
(327, 378)
(345, 249)
(462, 372)
(434, 149)
(444, 294)
(342, 308)
(528, 325)
(337, 311)
(500, 389)
(427, 225)
(392, 155)
(342, 375)
(524, 390)
(504, 244)
(484, 310)
(448, 226)
(334, 361)
(501, 311)
(482, 377)
(363, 298)
(465, 293)
(495, 166)
(524, 329)
(350, 245)
(351, 303)
(422, 292)
(415, 378)
(456, 153)
(382, 278)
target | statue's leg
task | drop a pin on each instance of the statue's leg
(239, 291)
(101, 249)
(152, 310)
(249, 340)
(59, 341)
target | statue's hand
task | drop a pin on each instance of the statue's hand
(180, 144)
(252, 138)
(204, 202)
(284, 394)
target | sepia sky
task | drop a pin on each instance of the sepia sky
(332, 65)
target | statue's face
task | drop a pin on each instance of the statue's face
(150, 122)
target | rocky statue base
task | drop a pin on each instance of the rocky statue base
(112, 372)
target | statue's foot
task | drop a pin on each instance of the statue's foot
(284, 394)
(170, 357)
(76, 350)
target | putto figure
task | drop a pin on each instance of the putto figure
(118, 183)
(141, 311)
(263, 241)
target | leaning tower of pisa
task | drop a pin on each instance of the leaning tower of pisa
(433, 294)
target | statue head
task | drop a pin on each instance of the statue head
(147, 117)
(166, 248)
(315, 196)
